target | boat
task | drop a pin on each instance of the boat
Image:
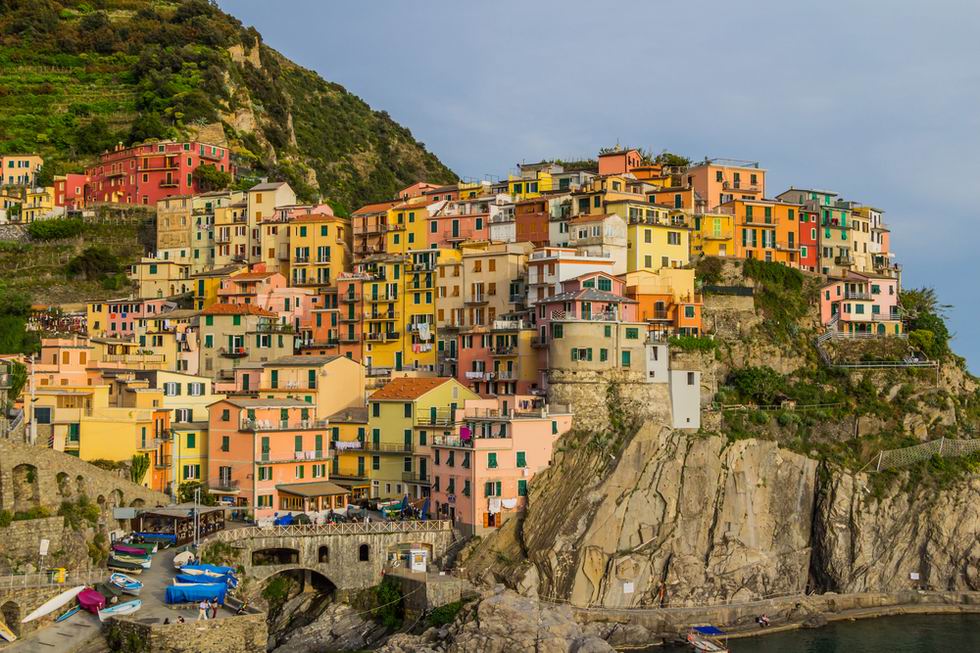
(129, 607)
(109, 591)
(91, 600)
(182, 559)
(6, 634)
(126, 549)
(214, 571)
(50, 606)
(705, 639)
(122, 565)
(147, 547)
(190, 579)
(68, 614)
(142, 561)
(193, 593)
(127, 584)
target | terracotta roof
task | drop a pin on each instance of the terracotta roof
(579, 219)
(300, 361)
(250, 276)
(377, 207)
(237, 309)
(314, 217)
(406, 388)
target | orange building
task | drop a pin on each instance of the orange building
(368, 227)
(619, 161)
(719, 181)
(532, 218)
(667, 301)
(766, 230)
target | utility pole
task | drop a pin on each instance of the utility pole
(33, 425)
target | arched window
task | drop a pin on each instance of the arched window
(364, 553)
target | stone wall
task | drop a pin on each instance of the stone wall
(423, 592)
(729, 316)
(15, 232)
(585, 393)
(40, 477)
(22, 540)
(231, 635)
(15, 604)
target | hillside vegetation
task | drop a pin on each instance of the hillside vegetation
(77, 77)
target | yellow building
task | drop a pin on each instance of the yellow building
(348, 432)
(406, 226)
(20, 169)
(403, 416)
(651, 246)
(38, 204)
(527, 187)
(319, 249)
(190, 451)
(207, 284)
(160, 278)
(331, 383)
(713, 235)
(81, 421)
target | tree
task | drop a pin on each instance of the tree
(209, 178)
(763, 385)
(185, 493)
(18, 379)
(147, 126)
(93, 263)
(94, 138)
(139, 465)
(670, 159)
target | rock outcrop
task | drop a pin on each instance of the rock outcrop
(338, 628)
(869, 544)
(503, 622)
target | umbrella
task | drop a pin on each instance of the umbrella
(425, 509)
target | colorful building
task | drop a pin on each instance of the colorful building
(20, 169)
(720, 181)
(766, 230)
(666, 300)
(145, 174)
(861, 302)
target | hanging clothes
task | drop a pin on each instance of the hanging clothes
(494, 506)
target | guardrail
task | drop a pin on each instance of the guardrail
(73, 578)
(343, 528)
(893, 458)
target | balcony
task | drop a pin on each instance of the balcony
(539, 342)
(301, 258)
(225, 484)
(507, 375)
(722, 235)
(169, 184)
(349, 338)
(297, 456)
(349, 318)
(394, 227)
(845, 260)
(348, 298)
(476, 299)
(458, 235)
(221, 239)
(787, 247)
(415, 477)
(282, 425)
(440, 418)
(387, 447)
(162, 462)
(381, 336)
(857, 294)
(381, 315)
(478, 375)
(383, 298)
(233, 352)
(273, 327)
(508, 350)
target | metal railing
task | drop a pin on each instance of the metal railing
(86, 577)
(893, 458)
(282, 425)
(343, 528)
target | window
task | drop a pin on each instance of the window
(673, 238)
(225, 443)
(690, 378)
(375, 463)
(521, 488)
(557, 330)
(605, 284)
(521, 459)
(376, 409)
(626, 359)
(191, 440)
(364, 553)
(632, 333)
(226, 415)
(603, 355)
(689, 311)
(492, 460)
(607, 331)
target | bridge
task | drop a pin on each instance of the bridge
(348, 556)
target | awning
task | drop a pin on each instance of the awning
(316, 489)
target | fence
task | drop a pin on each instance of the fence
(343, 528)
(906, 456)
(72, 578)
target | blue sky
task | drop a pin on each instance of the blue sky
(874, 100)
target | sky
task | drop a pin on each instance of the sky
(877, 101)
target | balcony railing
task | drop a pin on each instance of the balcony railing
(507, 375)
(539, 342)
(441, 418)
(273, 327)
(225, 484)
(282, 425)
(387, 447)
(348, 298)
(233, 352)
(415, 477)
(852, 294)
(310, 455)
(162, 462)
(508, 350)
(476, 299)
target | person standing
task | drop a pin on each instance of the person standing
(214, 608)
(202, 610)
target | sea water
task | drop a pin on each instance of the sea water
(898, 634)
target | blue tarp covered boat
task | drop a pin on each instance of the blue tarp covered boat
(285, 520)
(704, 639)
(230, 581)
(157, 537)
(210, 570)
(196, 593)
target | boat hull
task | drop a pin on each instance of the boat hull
(126, 584)
(120, 610)
(68, 615)
(50, 606)
(6, 634)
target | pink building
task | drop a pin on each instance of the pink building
(69, 190)
(451, 223)
(270, 291)
(145, 174)
(120, 315)
(861, 303)
(271, 455)
(481, 474)
(499, 360)
(591, 296)
(65, 361)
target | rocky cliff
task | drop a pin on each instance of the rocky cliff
(686, 520)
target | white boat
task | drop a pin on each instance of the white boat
(6, 634)
(126, 584)
(121, 609)
(202, 572)
(50, 606)
(182, 559)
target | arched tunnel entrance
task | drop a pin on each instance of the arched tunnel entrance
(295, 598)
(10, 615)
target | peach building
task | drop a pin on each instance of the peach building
(481, 474)
(719, 181)
(271, 455)
(451, 223)
(861, 302)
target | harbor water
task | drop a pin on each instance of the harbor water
(898, 634)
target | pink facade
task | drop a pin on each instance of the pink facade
(861, 303)
(456, 222)
(255, 445)
(123, 313)
(146, 174)
(69, 190)
(65, 361)
(270, 291)
(481, 474)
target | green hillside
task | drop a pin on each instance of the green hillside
(77, 77)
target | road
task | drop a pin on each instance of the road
(83, 627)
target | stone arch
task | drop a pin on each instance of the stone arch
(101, 501)
(364, 553)
(27, 493)
(116, 498)
(275, 556)
(64, 485)
(306, 579)
(80, 484)
(137, 503)
(10, 613)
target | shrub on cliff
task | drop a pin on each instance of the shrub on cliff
(55, 229)
(761, 385)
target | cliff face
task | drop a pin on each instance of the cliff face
(711, 521)
(864, 544)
